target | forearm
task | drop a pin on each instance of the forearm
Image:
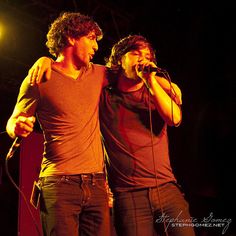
(171, 89)
(167, 107)
(10, 128)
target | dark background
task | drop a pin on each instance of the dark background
(193, 41)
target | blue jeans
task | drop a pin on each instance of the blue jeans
(148, 212)
(73, 205)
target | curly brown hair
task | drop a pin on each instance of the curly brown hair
(127, 44)
(70, 24)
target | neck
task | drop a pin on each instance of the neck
(67, 67)
(129, 85)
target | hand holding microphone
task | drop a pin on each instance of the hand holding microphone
(23, 127)
(145, 72)
(150, 68)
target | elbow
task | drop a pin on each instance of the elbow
(175, 119)
(174, 123)
(177, 123)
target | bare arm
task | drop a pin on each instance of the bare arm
(165, 103)
(170, 88)
(41, 66)
(167, 96)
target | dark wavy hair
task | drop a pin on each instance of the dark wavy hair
(70, 24)
(127, 44)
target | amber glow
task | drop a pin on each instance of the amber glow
(1, 30)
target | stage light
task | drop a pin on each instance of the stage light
(1, 30)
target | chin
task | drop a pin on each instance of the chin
(86, 64)
(133, 77)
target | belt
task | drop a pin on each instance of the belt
(90, 176)
(79, 177)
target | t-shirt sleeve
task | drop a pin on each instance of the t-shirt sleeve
(28, 98)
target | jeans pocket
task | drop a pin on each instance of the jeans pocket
(100, 184)
(51, 181)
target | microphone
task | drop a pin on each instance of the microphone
(13, 147)
(149, 69)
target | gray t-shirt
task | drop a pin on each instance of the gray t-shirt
(67, 110)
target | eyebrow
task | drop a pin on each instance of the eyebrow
(139, 51)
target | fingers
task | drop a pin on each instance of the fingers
(24, 126)
(176, 94)
(145, 69)
(33, 75)
(39, 77)
(36, 72)
(177, 99)
(180, 100)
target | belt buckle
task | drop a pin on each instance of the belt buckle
(85, 177)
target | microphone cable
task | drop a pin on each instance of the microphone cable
(154, 165)
(22, 195)
(3, 132)
(167, 77)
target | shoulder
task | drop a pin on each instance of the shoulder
(97, 70)
(98, 67)
(100, 71)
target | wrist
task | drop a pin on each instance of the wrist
(11, 133)
(149, 86)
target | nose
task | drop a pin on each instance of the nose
(95, 46)
(142, 59)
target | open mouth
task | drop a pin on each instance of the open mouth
(91, 56)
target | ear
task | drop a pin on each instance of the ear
(71, 41)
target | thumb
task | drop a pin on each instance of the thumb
(31, 119)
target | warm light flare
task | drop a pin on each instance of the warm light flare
(1, 30)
